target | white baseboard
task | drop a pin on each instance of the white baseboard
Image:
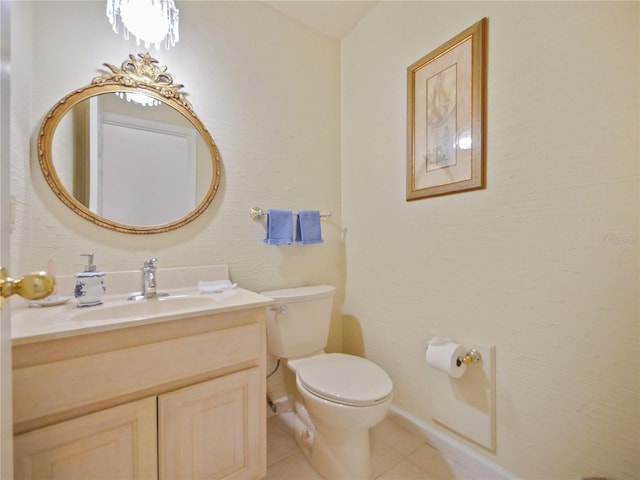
(448, 445)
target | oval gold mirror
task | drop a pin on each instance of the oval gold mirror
(128, 153)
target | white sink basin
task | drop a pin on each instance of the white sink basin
(145, 308)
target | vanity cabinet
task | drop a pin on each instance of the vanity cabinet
(180, 399)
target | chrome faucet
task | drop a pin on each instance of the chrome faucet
(149, 281)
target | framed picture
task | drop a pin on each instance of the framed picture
(446, 92)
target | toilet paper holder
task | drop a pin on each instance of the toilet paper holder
(472, 356)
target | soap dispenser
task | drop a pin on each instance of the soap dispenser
(89, 284)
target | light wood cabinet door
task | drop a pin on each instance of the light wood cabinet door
(120, 442)
(213, 429)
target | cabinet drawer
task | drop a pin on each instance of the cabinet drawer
(57, 389)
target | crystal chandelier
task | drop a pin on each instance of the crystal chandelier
(150, 21)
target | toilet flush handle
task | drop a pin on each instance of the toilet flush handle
(282, 308)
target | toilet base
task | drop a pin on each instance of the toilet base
(336, 454)
(348, 456)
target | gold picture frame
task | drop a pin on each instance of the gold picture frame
(446, 94)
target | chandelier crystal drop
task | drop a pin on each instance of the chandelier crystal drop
(139, 98)
(150, 21)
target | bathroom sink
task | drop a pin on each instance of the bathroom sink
(146, 308)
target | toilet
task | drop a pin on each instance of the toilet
(339, 397)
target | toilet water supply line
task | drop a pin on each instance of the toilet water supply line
(275, 369)
(282, 309)
(273, 406)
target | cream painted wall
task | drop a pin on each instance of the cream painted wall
(267, 89)
(544, 262)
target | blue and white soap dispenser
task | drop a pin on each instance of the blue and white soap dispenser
(89, 284)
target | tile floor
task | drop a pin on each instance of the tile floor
(397, 455)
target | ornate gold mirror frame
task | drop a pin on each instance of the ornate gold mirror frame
(141, 76)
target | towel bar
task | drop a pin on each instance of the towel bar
(257, 213)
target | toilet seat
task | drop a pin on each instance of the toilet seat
(345, 379)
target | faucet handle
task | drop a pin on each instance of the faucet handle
(150, 262)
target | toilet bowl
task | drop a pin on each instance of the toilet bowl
(344, 396)
(339, 397)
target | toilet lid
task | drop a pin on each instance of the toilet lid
(345, 379)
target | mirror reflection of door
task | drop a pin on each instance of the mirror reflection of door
(146, 173)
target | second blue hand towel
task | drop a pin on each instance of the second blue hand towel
(308, 229)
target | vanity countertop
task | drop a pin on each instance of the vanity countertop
(30, 325)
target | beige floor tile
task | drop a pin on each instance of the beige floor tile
(383, 456)
(293, 467)
(396, 436)
(432, 462)
(437, 465)
(404, 470)
(280, 442)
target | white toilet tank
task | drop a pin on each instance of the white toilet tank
(298, 324)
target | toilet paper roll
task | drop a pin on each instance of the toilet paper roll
(444, 358)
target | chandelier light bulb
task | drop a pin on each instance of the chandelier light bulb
(150, 21)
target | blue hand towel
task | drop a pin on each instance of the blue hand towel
(279, 227)
(308, 227)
